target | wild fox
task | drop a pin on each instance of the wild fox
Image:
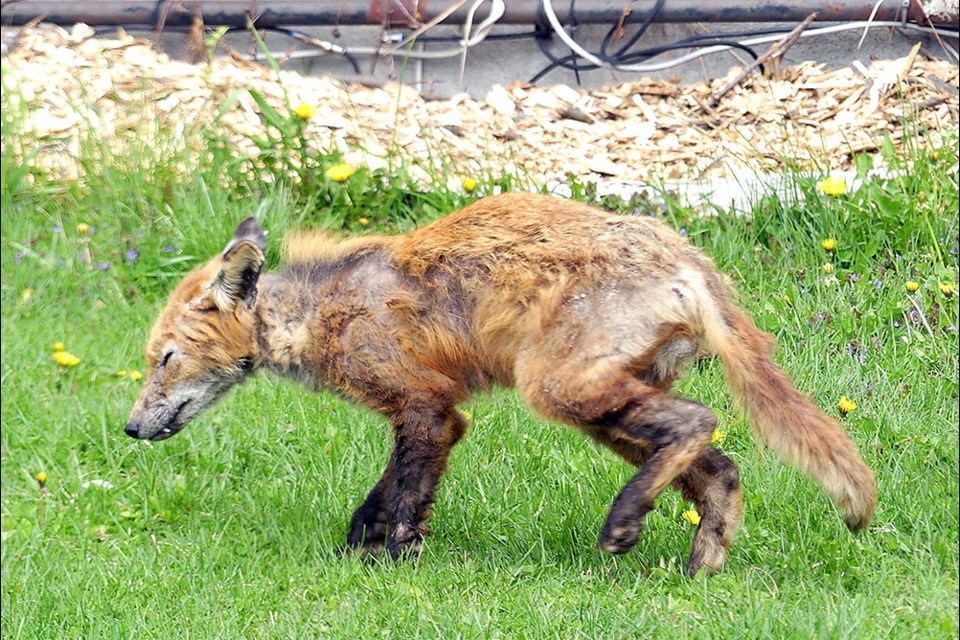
(591, 315)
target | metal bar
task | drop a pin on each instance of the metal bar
(273, 13)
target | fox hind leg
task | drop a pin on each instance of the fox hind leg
(675, 432)
(712, 482)
(614, 384)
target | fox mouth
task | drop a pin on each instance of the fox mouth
(175, 425)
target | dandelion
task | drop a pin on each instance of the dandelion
(828, 244)
(363, 222)
(911, 286)
(786, 298)
(718, 437)
(41, 507)
(305, 111)
(58, 346)
(83, 228)
(339, 172)
(691, 516)
(469, 185)
(833, 186)
(122, 373)
(26, 294)
(65, 358)
(828, 268)
(948, 288)
(846, 405)
(135, 375)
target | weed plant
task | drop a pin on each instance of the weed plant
(232, 529)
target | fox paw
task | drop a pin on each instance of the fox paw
(621, 537)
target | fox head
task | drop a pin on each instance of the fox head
(204, 341)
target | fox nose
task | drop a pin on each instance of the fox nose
(132, 429)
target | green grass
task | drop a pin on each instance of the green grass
(231, 529)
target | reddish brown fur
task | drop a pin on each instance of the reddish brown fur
(590, 315)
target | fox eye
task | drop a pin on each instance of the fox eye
(166, 358)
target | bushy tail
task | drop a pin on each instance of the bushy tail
(784, 417)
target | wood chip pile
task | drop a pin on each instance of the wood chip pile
(74, 84)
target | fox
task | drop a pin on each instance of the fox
(591, 316)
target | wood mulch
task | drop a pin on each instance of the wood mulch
(72, 84)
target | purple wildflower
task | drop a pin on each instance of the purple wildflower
(58, 228)
(103, 266)
(132, 255)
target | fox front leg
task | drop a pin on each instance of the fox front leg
(370, 522)
(423, 440)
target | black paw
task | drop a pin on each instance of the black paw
(404, 543)
(620, 537)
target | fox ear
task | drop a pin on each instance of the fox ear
(242, 261)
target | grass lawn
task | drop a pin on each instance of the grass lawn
(232, 528)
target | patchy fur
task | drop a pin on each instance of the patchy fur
(591, 316)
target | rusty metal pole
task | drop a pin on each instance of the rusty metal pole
(273, 13)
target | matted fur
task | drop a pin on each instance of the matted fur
(590, 315)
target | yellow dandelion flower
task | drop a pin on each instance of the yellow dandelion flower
(26, 294)
(828, 268)
(83, 228)
(41, 478)
(828, 244)
(787, 299)
(363, 222)
(948, 288)
(911, 285)
(718, 436)
(65, 358)
(846, 405)
(58, 346)
(469, 185)
(135, 375)
(305, 111)
(122, 373)
(833, 186)
(691, 516)
(339, 172)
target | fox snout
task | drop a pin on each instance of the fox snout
(158, 418)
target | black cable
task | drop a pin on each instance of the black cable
(637, 57)
(647, 21)
(305, 39)
(623, 55)
(573, 30)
